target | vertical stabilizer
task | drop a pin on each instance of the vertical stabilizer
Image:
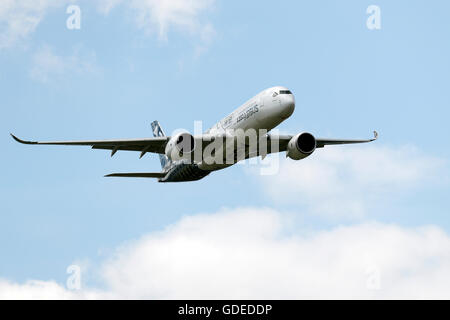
(158, 132)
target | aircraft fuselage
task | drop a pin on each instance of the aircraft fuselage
(264, 111)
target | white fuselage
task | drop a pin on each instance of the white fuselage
(263, 111)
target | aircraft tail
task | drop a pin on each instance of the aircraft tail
(138, 174)
(158, 132)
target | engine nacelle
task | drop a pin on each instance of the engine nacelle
(301, 146)
(180, 146)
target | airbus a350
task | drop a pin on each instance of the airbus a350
(243, 134)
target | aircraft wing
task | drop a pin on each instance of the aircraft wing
(321, 142)
(283, 141)
(154, 145)
(158, 144)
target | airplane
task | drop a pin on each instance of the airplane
(183, 156)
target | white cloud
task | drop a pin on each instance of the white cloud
(337, 181)
(48, 65)
(35, 289)
(18, 19)
(245, 253)
(162, 15)
(105, 6)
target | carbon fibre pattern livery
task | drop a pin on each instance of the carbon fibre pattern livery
(184, 172)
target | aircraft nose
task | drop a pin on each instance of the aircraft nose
(287, 105)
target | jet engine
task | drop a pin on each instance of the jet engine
(301, 146)
(180, 146)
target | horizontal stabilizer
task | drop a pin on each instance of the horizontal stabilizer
(138, 175)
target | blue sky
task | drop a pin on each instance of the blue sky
(132, 64)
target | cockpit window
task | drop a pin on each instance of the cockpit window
(285, 92)
(275, 94)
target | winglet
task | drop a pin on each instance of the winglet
(22, 141)
(375, 135)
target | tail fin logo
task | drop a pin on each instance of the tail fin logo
(157, 131)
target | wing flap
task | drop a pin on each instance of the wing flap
(150, 148)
